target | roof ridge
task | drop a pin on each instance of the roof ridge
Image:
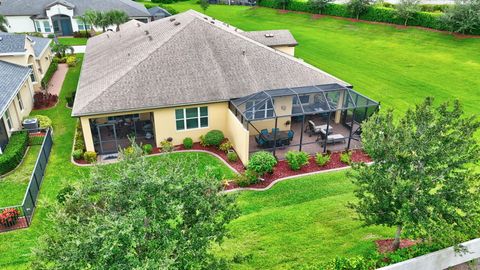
(132, 67)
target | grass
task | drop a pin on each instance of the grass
(14, 185)
(72, 41)
(302, 221)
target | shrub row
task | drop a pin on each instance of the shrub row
(14, 152)
(49, 74)
(374, 14)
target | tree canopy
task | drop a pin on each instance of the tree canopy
(319, 5)
(138, 214)
(3, 24)
(463, 17)
(406, 9)
(423, 179)
(358, 7)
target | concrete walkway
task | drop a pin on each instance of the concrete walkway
(79, 49)
(56, 82)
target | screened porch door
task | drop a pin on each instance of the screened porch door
(107, 135)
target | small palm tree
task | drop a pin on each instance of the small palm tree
(3, 24)
(117, 17)
(61, 49)
(84, 21)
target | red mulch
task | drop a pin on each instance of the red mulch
(318, 16)
(21, 223)
(385, 245)
(283, 170)
(80, 161)
(37, 134)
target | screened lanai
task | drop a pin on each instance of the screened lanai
(314, 119)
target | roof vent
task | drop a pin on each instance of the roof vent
(1, 38)
(172, 19)
(268, 35)
(150, 38)
(138, 25)
(212, 22)
(205, 18)
(108, 36)
(176, 23)
(146, 32)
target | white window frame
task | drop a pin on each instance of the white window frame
(251, 107)
(199, 118)
(20, 102)
(32, 74)
(46, 25)
(38, 27)
(8, 119)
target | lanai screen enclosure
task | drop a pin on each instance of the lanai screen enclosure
(312, 118)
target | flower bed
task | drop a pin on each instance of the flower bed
(43, 100)
(283, 170)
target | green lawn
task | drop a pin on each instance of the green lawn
(301, 221)
(14, 185)
(72, 41)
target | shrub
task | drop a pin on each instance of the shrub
(296, 159)
(49, 74)
(147, 149)
(202, 140)
(322, 159)
(90, 156)
(9, 217)
(43, 121)
(71, 99)
(64, 192)
(225, 146)
(60, 60)
(249, 177)
(166, 146)
(71, 61)
(232, 156)
(80, 34)
(214, 138)
(43, 100)
(188, 143)
(262, 162)
(346, 157)
(51, 35)
(77, 154)
(14, 152)
(214, 171)
(167, 8)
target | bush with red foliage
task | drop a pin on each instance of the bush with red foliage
(43, 100)
(9, 217)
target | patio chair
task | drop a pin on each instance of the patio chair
(275, 130)
(312, 128)
(260, 141)
(334, 138)
(264, 131)
(291, 133)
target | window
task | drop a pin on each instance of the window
(46, 26)
(9, 120)
(20, 102)
(259, 109)
(303, 99)
(37, 26)
(190, 118)
(82, 25)
(32, 75)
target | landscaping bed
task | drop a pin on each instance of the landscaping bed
(237, 165)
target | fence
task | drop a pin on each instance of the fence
(23, 214)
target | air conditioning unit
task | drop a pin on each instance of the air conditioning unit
(30, 124)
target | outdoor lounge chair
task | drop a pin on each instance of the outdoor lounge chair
(312, 128)
(333, 139)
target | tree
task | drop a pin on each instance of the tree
(406, 9)
(117, 17)
(422, 181)
(204, 4)
(283, 3)
(3, 24)
(84, 21)
(319, 6)
(61, 49)
(358, 7)
(139, 214)
(98, 19)
(463, 17)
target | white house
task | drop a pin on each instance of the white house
(60, 17)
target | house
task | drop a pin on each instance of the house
(23, 63)
(187, 74)
(157, 13)
(61, 17)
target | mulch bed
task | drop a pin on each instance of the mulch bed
(21, 223)
(385, 245)
(80, 161)
(283, 170)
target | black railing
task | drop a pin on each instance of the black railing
(23, 214)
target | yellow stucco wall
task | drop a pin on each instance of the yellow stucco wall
(87, 134)
(44, 61)
(16, 114)
(238, 135)
(286, 49)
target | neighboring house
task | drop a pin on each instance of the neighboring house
(188, 74)
(158, 13)
(60, 17)
(23, 63)
(281, 40)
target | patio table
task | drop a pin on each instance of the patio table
(270, 137)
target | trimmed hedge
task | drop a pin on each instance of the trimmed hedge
(49, 74)
(374, 13)
(14, 152)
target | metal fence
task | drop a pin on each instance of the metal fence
(27, 209)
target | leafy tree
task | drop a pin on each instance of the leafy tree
(204, 4)
(318, 6)
(3, 24)
(422, 181)
(283, 3)
(139, 214)
(61, 49)
(85, 21)
(358, 7)
(98, 19)
(406, 9)
(463, 17)
(117, 17)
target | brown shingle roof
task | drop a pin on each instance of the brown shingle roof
(189, 60)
